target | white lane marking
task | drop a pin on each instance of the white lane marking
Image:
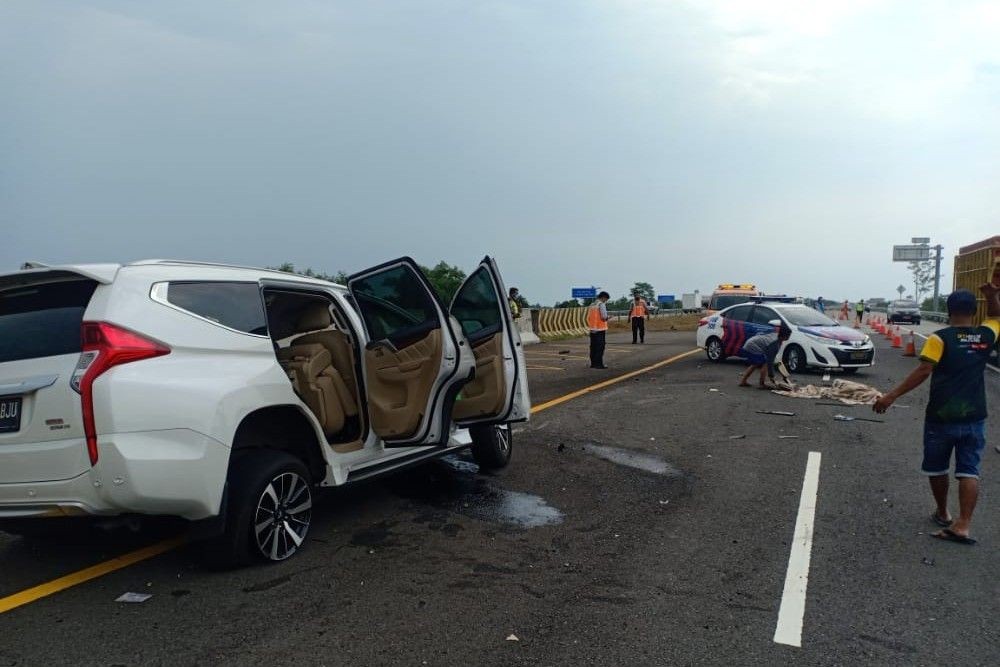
(793, 600)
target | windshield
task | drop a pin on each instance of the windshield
(720, 301)
(904, 304)
(803, 316)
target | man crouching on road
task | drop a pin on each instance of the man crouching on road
(955, 360)
(760, 352)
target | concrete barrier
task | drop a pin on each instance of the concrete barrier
(560, 322)
(526, 326)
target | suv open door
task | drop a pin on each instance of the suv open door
(498, 394)
(416, 360)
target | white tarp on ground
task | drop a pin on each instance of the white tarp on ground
(845, 391)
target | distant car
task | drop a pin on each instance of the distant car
(903, 311)
(817, 341)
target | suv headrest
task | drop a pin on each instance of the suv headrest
(314, 317)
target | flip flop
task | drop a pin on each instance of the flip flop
(948, 535)
(939, 521)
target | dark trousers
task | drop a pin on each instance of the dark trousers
(639, 329)
(598, 341)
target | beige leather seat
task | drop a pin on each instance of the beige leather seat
(336, 342)
(318, 383)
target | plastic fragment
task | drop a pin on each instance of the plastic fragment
(133, 597)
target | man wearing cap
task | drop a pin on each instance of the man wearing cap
(955, 359)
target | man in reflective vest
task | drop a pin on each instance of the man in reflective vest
(637, 315)
(597, 322)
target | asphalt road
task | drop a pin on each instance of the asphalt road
(634, 526)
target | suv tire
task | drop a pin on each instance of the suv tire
(492, 445)
(263, 483)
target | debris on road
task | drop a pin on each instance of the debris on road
(714, 390)
(737, 437)
(133, 597)
(845, 391)
(780, 413)
(512, 638)
(787, 437)
(927, 561)
(846, 418)
(561, 447)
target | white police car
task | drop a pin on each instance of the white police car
(816, 340)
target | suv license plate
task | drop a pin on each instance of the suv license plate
(10, 414)
(859, 355)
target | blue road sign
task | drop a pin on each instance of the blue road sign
(584, 292)
(665, 298)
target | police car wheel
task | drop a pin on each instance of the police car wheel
(795, 359)
(713, 349)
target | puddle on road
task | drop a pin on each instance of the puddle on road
(453, 484)
(632, 459)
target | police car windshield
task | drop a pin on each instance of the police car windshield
(803, 316)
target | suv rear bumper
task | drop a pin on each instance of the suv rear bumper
(174, 472)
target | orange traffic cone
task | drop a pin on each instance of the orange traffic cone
(911, 346)
(897, 340)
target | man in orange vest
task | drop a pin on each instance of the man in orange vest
(597, 322)
(638, 314)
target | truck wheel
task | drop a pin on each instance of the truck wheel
(795, 359)
(492, 446)
(269, 509)
(713, 350)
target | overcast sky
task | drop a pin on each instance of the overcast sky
(581, 143)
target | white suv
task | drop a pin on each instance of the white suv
(224, 395)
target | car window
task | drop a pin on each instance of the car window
(43, 320)
(476, 306)
(802, 316)
(762, 315)
(720, 301)
(741, 313)
(394, 304)
(904, 304)
(234, 305)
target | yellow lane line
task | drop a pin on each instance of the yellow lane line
(607, 383)
(544, 368)
(62, 583)
(107, 567)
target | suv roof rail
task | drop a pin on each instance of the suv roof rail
(191, 262)
(33, 265)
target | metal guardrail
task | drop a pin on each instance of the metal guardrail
(934, 316)
(660, 312)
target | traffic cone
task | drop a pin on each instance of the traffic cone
(897, 340)
(911, 346)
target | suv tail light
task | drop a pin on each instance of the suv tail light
(104, 347)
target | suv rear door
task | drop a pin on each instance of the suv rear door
(41, 428)
(416, 360)
(499, 392)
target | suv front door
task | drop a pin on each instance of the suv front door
(499, 392)
(416, 360)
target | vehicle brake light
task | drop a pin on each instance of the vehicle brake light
(105, 346)
(703, 321)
